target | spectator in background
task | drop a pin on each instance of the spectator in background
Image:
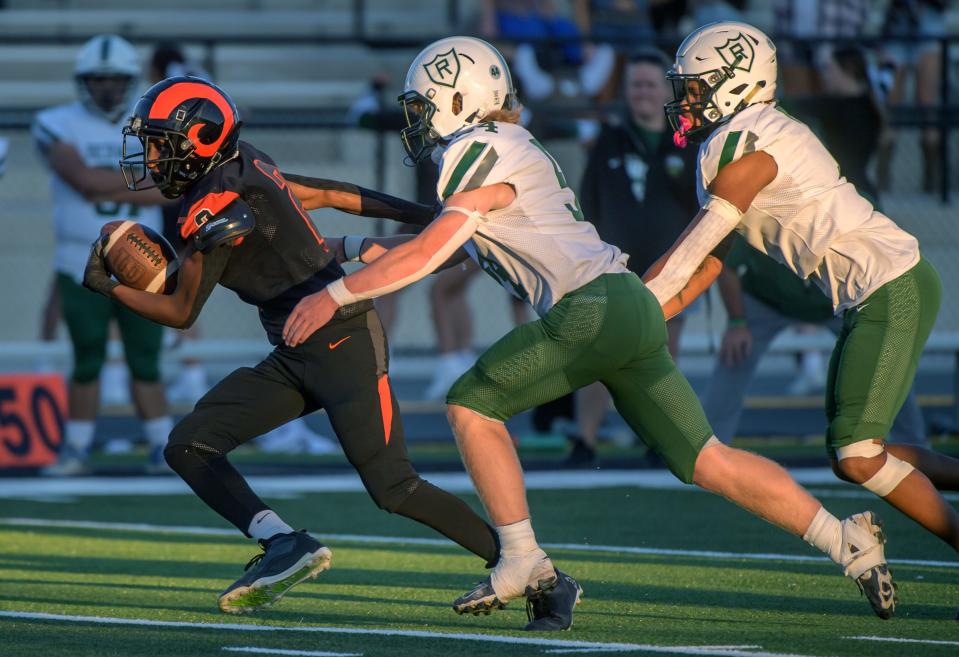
(639, 191)
(914, 18)
(846, 92)
(800, 62)
(81, 144)
(762, 299)
(524, 25)
(711, 11)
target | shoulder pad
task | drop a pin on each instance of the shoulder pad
(233, 222)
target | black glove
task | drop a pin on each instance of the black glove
(95, 276)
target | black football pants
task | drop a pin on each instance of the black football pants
(342, 368)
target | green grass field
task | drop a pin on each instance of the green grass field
(110, 590)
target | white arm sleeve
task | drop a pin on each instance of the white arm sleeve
(719, 218)
(343, 296)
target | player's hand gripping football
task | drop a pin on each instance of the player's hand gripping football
(310, 314)
(95, 276)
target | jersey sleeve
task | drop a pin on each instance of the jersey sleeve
(47, 131)
(724, 147)
(473, 161)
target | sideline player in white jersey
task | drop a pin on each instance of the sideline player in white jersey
(507, 204)
(81, 143)
(766, 176)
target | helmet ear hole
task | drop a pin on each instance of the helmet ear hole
(457, 103)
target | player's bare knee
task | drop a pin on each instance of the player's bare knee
(712, 466)
(869, 464)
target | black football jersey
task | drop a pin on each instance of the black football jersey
(284, 258)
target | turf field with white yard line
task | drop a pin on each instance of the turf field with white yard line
(664, 572)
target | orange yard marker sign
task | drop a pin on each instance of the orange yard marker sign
(33, 408)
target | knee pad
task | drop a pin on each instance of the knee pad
(389, 481)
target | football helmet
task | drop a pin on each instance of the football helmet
(107, 72)
(452, 83)
(720, 69)
(180, 130)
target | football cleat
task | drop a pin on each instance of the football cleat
(286, 560)
(549, 607)
(863, 559)
(481, 599)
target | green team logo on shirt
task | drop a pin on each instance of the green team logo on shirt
(500, 275)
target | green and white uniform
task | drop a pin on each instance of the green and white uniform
(598, 322)
(77, 222)
(813, 221)
(539, 248)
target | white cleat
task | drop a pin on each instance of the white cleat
(863, 559)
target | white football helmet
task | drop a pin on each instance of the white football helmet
(720, 69)
(107, 72)
(452, 83)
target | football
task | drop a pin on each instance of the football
(139, 257)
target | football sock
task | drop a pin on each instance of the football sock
(214, 479)
(522, 562)
(517, 539)
(158, 430)
(825, 532)
(79, 434)
(266, 524)
(450, 516)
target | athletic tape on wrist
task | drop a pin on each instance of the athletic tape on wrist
(353, 247)
(340, 294)
(724, 209)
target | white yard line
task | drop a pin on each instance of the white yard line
(402, 540)
(892, 639)
(20, 488)
(717, 651)
(283, 651)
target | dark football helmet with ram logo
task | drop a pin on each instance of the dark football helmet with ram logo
(180, 130)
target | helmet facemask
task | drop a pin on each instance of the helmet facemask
(153, 152)
(107, 94)
(419, 137)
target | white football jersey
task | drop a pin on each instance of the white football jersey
(76, 221)
(539, 247)
(809, 217)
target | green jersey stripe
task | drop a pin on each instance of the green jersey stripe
(46, 132)
(469, 157)
(482, 171)
(729, 149)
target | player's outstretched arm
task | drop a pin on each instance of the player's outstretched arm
(196, 277)
(316, 193)
(695, 259)
(403, 264)
(354, 248)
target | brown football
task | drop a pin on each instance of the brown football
(139, 257)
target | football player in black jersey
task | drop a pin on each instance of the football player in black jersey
(246, 230)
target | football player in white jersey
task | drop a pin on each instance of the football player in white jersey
(507, 205)
(81, 143)
(766, 176)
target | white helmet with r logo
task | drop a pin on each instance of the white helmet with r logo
(720, 69)
(452, 83)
